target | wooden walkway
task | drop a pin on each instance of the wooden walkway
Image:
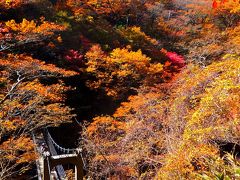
(52, 157)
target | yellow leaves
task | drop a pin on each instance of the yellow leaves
(163, 26)
(233, 6)
(136, 31)
(135, 36)
(203, 107)
(31, 95)
(104, 124)
(95, 53)
(183, 162)
(8, 125)
(28, 105)
(47, 28)
(91, 69)
(12, 124)
(12, 25)
(127, 139)
(27, 157)
(59, 39)
(111, 92)
(31, 30)
(7, 2)
(155, 68)
(135, 103)
(229, 10)
(25, 26)
(23, 144)
(125, 56)
(231, 56)
(49, 92)
(212, 118)
(122, 67)
(11, 3)
(107, 6)
(234, 37)
(90, 18)
(124, 73)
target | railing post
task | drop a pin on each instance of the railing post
(78, 173)
(46, 166)
(79, 166)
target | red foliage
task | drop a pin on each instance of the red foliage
(74, 57)
(175, 58)
(4, 30)
(214, 4)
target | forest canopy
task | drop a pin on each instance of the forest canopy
(154, 84)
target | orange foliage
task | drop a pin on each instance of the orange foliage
(11, 3)
(12, 146)
(27, 63)
(14, 34)
(121, 69)
(165, 131)
(231, 6)
(14, 153)
(172, 133)
(130, 140)
(229, 10)
(45, 28)
(27, 105)
(109, 6)
(29, 30)
(31, 92)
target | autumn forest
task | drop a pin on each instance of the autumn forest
(147, 89)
